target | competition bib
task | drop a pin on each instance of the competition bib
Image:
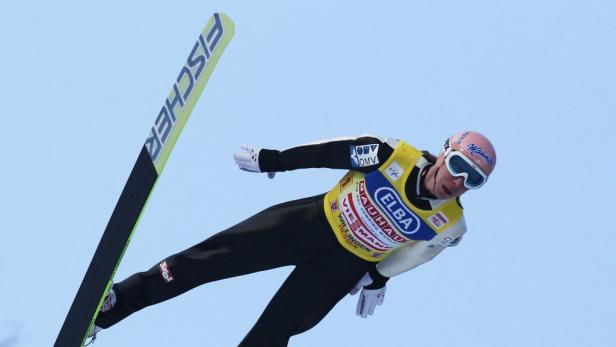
(371, 214)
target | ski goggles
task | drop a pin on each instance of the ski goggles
(460, 165)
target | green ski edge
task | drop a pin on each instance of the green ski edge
(179, 104)
(187, 89)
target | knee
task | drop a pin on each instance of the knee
(309, 322)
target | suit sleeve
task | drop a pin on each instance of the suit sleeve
(364, 153)
(410, 256)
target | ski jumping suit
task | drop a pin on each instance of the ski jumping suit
(377, 217)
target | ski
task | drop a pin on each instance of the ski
(152, 159)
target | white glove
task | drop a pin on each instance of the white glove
(368, 298)
(248, 159)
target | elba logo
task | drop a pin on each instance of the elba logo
(366, 155)
(164, 271)
(183, 88)
(392, 205)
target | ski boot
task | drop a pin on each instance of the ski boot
(108, 304)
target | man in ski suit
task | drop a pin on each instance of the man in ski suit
(394, 209)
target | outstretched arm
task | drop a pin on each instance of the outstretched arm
(364, 153)
(410, 256)
(402, 259)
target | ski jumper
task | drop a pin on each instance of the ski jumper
(378, 215)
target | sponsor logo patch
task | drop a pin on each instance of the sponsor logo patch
(450, 241)
(462, 137)
(366, 155)
(394, 171)
(389, 201)
(187, 80)
(334, 205)
(379, 220)
(392, 205)
(358, 228)
(438, 220)
(164, 271)
(478, 151)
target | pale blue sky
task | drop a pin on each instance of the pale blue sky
(81, 83)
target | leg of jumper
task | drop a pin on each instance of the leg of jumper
(278, 236)
(307, 295)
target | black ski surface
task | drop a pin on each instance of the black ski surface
(162, 137)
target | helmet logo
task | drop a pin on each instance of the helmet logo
(463, 137)
(476, 150)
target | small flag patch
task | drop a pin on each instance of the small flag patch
(438, 220)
